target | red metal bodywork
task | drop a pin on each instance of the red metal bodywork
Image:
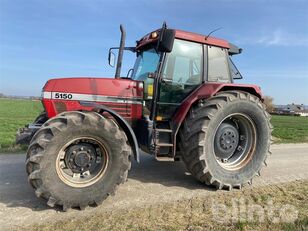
(94, 88)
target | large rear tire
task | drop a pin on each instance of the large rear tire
(77, 159)
(225, 140)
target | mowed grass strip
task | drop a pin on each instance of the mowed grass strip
(276, 207)
(13, 115)
(290, 129)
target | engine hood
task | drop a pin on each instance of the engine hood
(92, 88)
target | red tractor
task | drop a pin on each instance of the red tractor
(179, 102)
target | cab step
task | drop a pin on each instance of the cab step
(164, 158)
(164, 145)
(163, 130)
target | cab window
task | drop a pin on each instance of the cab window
(184, 63)
(218, 68)
(147, 61)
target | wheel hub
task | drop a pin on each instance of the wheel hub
(234, 141)
(226, 140)
(81, 157)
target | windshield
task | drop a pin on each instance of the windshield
(146, 62)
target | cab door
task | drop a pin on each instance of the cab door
(182, 73)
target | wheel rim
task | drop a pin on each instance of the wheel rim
(235, 141)
(82, 162)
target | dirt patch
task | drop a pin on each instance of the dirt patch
(275, 207)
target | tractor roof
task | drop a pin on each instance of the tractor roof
(194, 37)
(201, 39)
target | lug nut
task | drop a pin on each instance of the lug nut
(62, 165)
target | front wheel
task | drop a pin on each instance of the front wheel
(77, 159)
(225, 140)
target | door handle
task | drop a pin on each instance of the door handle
(167, 81)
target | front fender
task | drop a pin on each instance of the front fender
(121, 121)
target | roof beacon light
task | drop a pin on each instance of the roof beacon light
(154, 35)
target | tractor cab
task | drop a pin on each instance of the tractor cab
(172, 64)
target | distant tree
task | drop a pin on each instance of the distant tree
(2, 95)
(268, 101)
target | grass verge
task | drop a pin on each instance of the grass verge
(13, 115)
(276, 207)
(290, 129)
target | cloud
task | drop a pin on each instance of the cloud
(277, 37)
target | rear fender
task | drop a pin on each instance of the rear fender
(205, 91)
(122, 122)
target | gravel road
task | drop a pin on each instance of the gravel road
(149, 182)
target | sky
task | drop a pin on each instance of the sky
(41, 39)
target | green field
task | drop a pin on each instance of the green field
(290, 129)
(16, 113)
(13, 115)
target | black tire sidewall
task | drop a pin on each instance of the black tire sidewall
(75, 196)
(256, 114)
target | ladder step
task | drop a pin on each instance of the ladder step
(164, 158)
(164, 145)
(163, 130)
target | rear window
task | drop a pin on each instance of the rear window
(218, 68)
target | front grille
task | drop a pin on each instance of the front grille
(122, 109)
(60, 107)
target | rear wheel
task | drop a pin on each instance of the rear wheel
(225, 140)
(77, 159)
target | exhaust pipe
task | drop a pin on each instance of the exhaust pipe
(120, 55)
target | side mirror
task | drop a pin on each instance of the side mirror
(111, 58)
(130, 73)
(151, 75)
(166, 40)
